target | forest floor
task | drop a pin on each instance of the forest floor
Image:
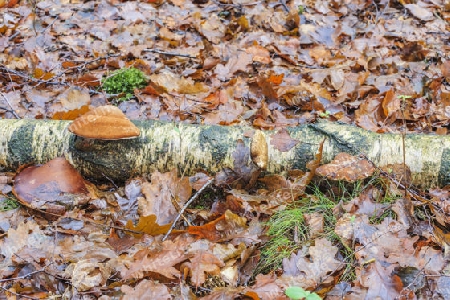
(381, 65)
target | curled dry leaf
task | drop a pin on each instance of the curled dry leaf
(87, 274)
(346, 167)
(53, 186)
(259, 150)
(104, 123)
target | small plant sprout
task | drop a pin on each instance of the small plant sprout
(8, 203)
(298, 293)
(123, 82)
(324, 115)
(403, 99)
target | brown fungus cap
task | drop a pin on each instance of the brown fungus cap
(104, 123)
(54, 186)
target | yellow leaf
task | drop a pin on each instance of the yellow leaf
(147, 225)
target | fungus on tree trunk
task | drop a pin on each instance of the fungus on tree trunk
(104, 123)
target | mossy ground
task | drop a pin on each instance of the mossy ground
(121, 83)
(288, 231)
(8, 203)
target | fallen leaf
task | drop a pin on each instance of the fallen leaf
(161, 260)
(55, 185)
(147, 225)
(159, 194)
(282, 141)
(146, 289)
(226, 227)
(346, 167)
(420, 12)
(204, 263)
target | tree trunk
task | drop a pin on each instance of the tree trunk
(164, 146)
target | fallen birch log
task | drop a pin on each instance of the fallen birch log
(163, 146)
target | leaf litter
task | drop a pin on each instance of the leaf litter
(268, 64)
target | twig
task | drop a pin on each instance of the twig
(16, 294)
(283, 4)
(34, 80)
(12, 109)
(83, 64)
(208, 183)
(90, 221)
(168, 53)
(24, 276)
(437, 32)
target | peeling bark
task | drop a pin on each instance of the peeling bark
(189, 148)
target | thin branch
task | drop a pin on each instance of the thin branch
(169, 53)
(24, 276)
(16, 294)
(12, 109)
(208, 183)
(90, 221)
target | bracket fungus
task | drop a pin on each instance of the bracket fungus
(104, 123)
(52, 187)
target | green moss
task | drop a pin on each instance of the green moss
(8, 204)
(123, 82)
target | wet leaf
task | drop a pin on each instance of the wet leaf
(346, 167)
(55, 185)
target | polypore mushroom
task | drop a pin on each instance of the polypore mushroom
(54, 186)
(104, 123)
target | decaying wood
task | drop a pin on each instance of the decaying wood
(189, 148)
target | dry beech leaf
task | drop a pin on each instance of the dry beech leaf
(420, 12)
(161, 193)
(445, 69)
(282, 141)
(267, 89)
(146, 289)
(312, 165)
(259, 151)
(147, 225)
(88, 80)
(41, 74)
(55, 185)
(390, 104)
(260, 54)
(346, 167)
(207, 231)
(74, 98)
(71, 114)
